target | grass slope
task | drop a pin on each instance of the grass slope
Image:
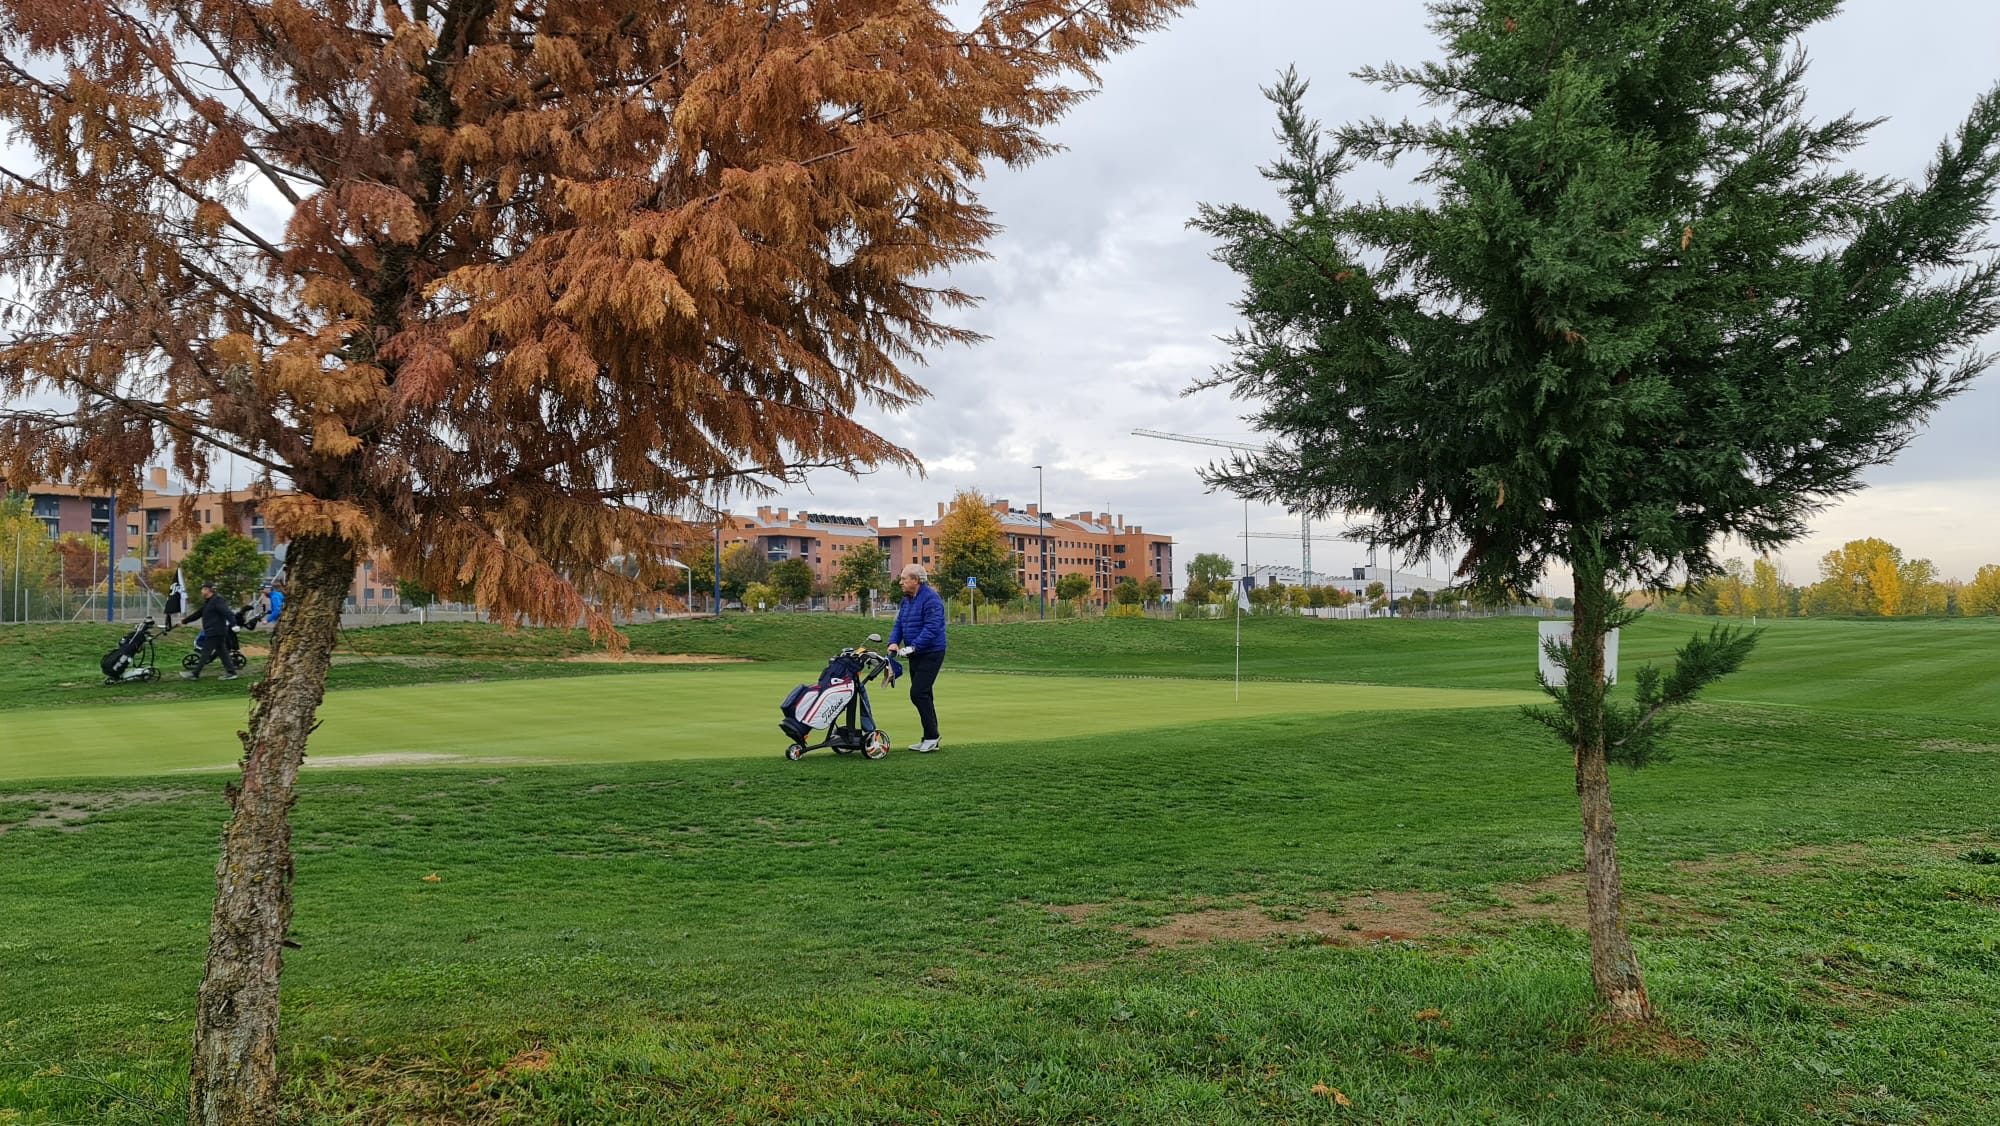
(1934, 666)
(836, 942)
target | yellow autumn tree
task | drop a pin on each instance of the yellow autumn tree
(971, 544)
(1768, 595)
(1982, 594)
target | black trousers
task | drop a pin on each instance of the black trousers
(923, 673)
(211, 649)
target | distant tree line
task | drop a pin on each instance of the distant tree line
(1864, 578)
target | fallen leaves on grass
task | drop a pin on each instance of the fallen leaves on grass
(1326, 1092)
(433, 878)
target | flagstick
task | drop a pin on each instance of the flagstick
(1241, 595)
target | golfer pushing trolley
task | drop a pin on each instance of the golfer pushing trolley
(919, 638)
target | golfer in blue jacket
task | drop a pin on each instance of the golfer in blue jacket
(919, 637)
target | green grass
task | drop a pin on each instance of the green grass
(699, 940)
(680, 712)
(1944, 666)
(832, 941)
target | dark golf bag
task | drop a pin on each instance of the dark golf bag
(118, 660)
(132, 660)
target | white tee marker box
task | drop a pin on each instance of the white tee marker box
(1559, 632)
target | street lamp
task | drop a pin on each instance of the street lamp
(690, 571)
(1041, 543)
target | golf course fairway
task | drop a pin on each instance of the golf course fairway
(686, 712)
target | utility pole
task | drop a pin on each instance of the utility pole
(110, 557)
(1042, 542)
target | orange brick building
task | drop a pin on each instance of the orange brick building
(142, 532)
(1096, 544)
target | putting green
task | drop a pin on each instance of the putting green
(683, 712)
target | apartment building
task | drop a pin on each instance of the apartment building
(1095, 544)
(1099, 545)
(144, 531)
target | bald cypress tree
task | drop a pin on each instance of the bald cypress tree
(496, 289)
(1640, 306)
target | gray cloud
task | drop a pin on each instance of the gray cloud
(1101, 305)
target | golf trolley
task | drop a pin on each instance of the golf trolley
(231, 658)
(133, 660)
(838, 704)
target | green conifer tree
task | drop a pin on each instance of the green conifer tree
(1641, 307)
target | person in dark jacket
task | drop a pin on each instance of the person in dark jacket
(919, 636)
(216, 621)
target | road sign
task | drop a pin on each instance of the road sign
(972, 582)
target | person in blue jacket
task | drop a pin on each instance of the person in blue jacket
(919, 637)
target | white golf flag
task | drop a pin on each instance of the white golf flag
(1243, 592)
(177, 597)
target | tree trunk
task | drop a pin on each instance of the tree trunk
(1614, 968)
(234, 1081)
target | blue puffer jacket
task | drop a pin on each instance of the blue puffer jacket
(920, 622)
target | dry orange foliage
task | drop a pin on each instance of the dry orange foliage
(502, 289)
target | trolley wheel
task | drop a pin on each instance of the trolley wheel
(190, 661)
(796, 751)
(235, 662)
(153, 674)
(878, 745)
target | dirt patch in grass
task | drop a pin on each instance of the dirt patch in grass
(1960, 746)
(416, 758)
(657, 659)
(1556, 898)
(1388, 916)
(1853, 996)
(1790, 862)
(67, 812)
(1650, 1039)
(393, 758)
(527, 1062)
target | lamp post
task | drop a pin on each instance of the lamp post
(678, 565)
(1041, 543)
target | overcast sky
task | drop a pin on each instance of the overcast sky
(1102, 305)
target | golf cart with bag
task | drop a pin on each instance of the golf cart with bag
(232, 657)
(133, 660)
(838, 705)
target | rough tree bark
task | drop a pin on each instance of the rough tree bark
(1614, 967)
(234, 1080)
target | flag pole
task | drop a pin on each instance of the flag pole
(1241, 594)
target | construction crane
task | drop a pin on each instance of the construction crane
(1304, 536)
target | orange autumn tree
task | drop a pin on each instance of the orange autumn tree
(495, 289)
